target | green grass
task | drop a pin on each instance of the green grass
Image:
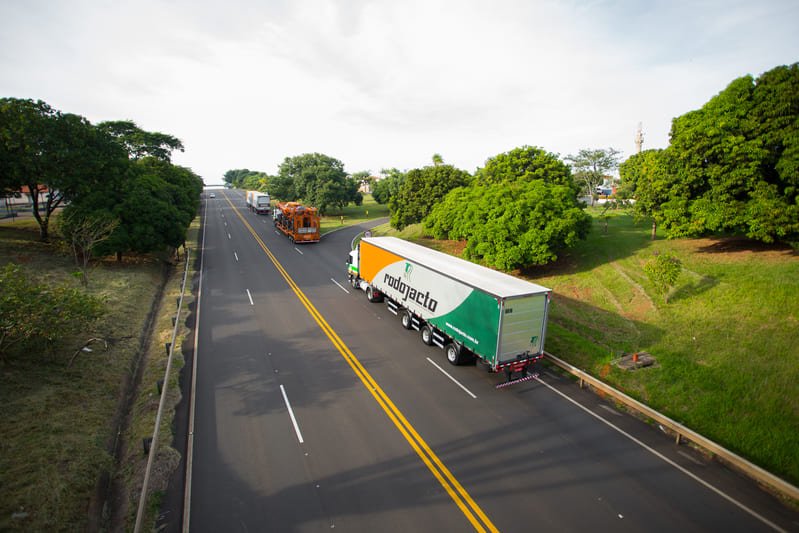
(726, 341)
(352, 214)
(57, 421)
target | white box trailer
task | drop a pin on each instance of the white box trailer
(261, 203)
(466, 309)
(250, 198)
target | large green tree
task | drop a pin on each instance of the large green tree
(316, 179)
(735, 161)
(389, 185)
(526, 163)
(590, 166)
(63, 154)
(645, 177)
(421, 190)
(140, 143)
(520, 212)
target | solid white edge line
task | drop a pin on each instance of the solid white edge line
(299, 252)
(249, 296)
(192, 395)
(667, 460)
(453, 379)
(291, 414)
(339, 285)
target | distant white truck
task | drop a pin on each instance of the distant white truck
(466, 309)
(258, 202)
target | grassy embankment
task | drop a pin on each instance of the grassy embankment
(353, 214)
(58, 422)
(726, 341)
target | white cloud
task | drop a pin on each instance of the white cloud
(387, 84)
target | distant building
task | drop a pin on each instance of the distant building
(24, 197)
(366, 185)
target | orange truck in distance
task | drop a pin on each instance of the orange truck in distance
(300, 223)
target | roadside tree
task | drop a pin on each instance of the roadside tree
(735, 162)
(521, 211)
(590, 166)
(139, 143)
(318, 180)
(421, 190)
(58, 153)
(645, 177)
(388, 186)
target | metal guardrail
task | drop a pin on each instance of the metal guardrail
(682, 432)
(162, 402)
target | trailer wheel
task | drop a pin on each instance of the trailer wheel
(405, 319)
(453, 354)
(427, 335)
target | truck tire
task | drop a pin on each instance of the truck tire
(354, 282)
(370, 295)
(427, 335)
(453, 354)
(405, 319)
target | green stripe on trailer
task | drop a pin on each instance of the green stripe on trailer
(475, 323)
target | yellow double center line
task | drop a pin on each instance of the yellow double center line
(465, 503)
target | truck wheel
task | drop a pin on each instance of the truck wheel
(427, 335)
(370, 295)
(453, 354)
(406, 319)
(354, 282)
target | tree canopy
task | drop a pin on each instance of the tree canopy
(590, 166)
(114, 172)
(139, 143)
(248, 179)
(732, 166)
(421, 189)
(388, 186)
(519, 212)
(316, 179)
(44, 149)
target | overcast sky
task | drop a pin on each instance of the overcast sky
(387, 83)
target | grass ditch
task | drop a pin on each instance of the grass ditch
(133, 460)
(725, 340)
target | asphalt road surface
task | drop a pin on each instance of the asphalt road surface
(315, 410)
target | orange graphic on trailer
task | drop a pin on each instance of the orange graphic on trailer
(374, 260)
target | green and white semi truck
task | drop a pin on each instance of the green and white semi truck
(466, 309)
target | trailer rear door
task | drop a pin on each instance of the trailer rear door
(522, 326)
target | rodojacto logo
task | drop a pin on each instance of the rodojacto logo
(410, 293)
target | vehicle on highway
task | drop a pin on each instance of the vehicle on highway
(298, 222)
(212, 195)
(466, 309)
(259, 202)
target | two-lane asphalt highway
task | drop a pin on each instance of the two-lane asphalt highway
(315, 410)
